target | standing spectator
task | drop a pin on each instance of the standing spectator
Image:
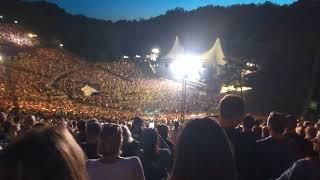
(28, 122)
(311, 133)
(248, 122)
(130, 147)
(203, 152)
(232, 110)
(276, 151)
(81, 131)
(137, 128)
(43, 153)
(305, 169)
(155, 161)
(257, 131)
(305, 147)
(174, 132)
(111, 165)
(90, 147)
(163, 131)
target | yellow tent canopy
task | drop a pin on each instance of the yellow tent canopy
(176, 50)
(215, 54)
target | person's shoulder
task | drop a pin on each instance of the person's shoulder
(132, 161)
(265, 140)
(307, 163)
(92, 162)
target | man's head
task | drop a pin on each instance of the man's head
(93, 131)
(163, 131)
(232, 109)
(248, 122)
(291, 123)
(81, 126)
(276, 123)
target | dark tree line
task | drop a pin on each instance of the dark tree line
(283, 40)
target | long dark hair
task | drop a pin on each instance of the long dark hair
(150, 143)
(203, 152)
(43, 153)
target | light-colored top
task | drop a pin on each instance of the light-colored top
(124, 169)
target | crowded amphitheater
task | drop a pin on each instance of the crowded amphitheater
(154, 116)
(55, 81)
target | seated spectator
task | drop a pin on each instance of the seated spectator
(111, 165)
(232, 110)
(155, 161)
(90, 147)
(43, 153)
(277, 152)
(305, 169)
(130, 147)
(203, 152)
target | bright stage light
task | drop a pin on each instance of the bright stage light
(186, 66)
(155, 50)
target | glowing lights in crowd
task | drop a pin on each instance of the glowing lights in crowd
(125, 57)
(186, 66)
(250, 64)
(32, 35)
(1, 59)
(232, 88)
(155, 50)
(16, 22)
(1, 17)
(138, 56)
(61, 45)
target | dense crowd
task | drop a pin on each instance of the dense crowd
(51, 80)
(232, 145)
(17, 35)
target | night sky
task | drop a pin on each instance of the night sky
(135, 9)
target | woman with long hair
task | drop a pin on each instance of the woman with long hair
(43, 153)
(203, 152)
(111, 165)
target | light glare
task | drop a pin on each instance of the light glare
(186, 66)
(155, 51)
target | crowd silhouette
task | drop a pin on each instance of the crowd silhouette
(228, 146)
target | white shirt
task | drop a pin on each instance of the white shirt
(124, 169)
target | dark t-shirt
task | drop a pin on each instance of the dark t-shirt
(276, 156)
(130, 149)
(305, 147)
(245, 151)
(302, 170)
(91, 150)
(157, 168)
